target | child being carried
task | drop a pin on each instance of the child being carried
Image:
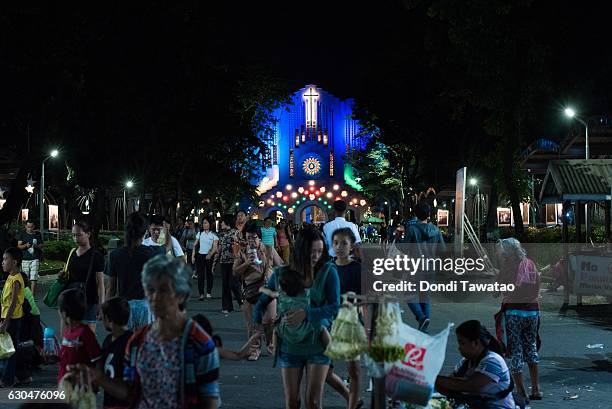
(293, 295)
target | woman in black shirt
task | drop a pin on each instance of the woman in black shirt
(86, 272)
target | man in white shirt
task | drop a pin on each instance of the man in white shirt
(339, 223)
(155, 229)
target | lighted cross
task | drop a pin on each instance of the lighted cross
(311, 98)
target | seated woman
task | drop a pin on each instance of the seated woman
(482, 378)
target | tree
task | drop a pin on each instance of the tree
(386, 172)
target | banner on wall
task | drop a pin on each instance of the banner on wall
(24, 215)
(53, 217)
(443, 218)
(504, 216)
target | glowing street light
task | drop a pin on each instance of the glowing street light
(128, 185)
(473, 182)
(570, 113)
(53, 154)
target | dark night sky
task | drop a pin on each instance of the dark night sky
(331, 44)
(336, 43)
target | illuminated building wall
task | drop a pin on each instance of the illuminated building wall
(312, 137)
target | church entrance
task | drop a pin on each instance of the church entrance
(313, 214)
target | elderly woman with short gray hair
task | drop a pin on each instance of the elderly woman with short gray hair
(519, 317)
(171, 363)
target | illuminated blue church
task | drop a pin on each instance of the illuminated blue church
(305, 171)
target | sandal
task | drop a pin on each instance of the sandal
(536, 396)
(254, 356)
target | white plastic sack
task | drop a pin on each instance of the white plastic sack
(412, 378)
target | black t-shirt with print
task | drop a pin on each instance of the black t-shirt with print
(113, 353)
(78, 267)
(127, 266)
(26, 237)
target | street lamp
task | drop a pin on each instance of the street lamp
(474, 182)
(128, 185)
(53, 154)
(570, 113)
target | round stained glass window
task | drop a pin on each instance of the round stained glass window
(311, 166)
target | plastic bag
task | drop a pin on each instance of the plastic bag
(348, 337)
(7, 349)
(79, 395)
(385, 346)
(411, 379)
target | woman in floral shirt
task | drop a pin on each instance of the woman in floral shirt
(228, 237)
(172, 363)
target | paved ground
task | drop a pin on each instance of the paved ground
(569, 369)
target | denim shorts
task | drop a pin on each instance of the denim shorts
(91, 314)
(286, 360)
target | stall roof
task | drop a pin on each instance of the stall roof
(577, 179)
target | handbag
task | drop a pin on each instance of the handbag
(58, 286)
(82, 285)
(251, 291)
(7, 349)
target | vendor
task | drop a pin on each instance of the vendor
(481, 378)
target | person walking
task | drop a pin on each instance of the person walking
(31, 243)
(12, 310)
(207, 243)
(160, 235)
(85, 272)
(173, 362)
(284, 240)
(521, 312)
(268, 234)
(124, 269)
(253, 266)
(429, 243)
(228, 236)
(320, 277)
(338, 223)
(188, 239)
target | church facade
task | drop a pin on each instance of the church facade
(305, 169)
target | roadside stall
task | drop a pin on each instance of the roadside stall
(581, 184)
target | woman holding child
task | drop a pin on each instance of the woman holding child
(317, 278)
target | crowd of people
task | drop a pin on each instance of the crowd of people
(287, 283)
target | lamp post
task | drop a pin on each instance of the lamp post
(128, 185)
(570, 113)
(474, 182)
(52, 154)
